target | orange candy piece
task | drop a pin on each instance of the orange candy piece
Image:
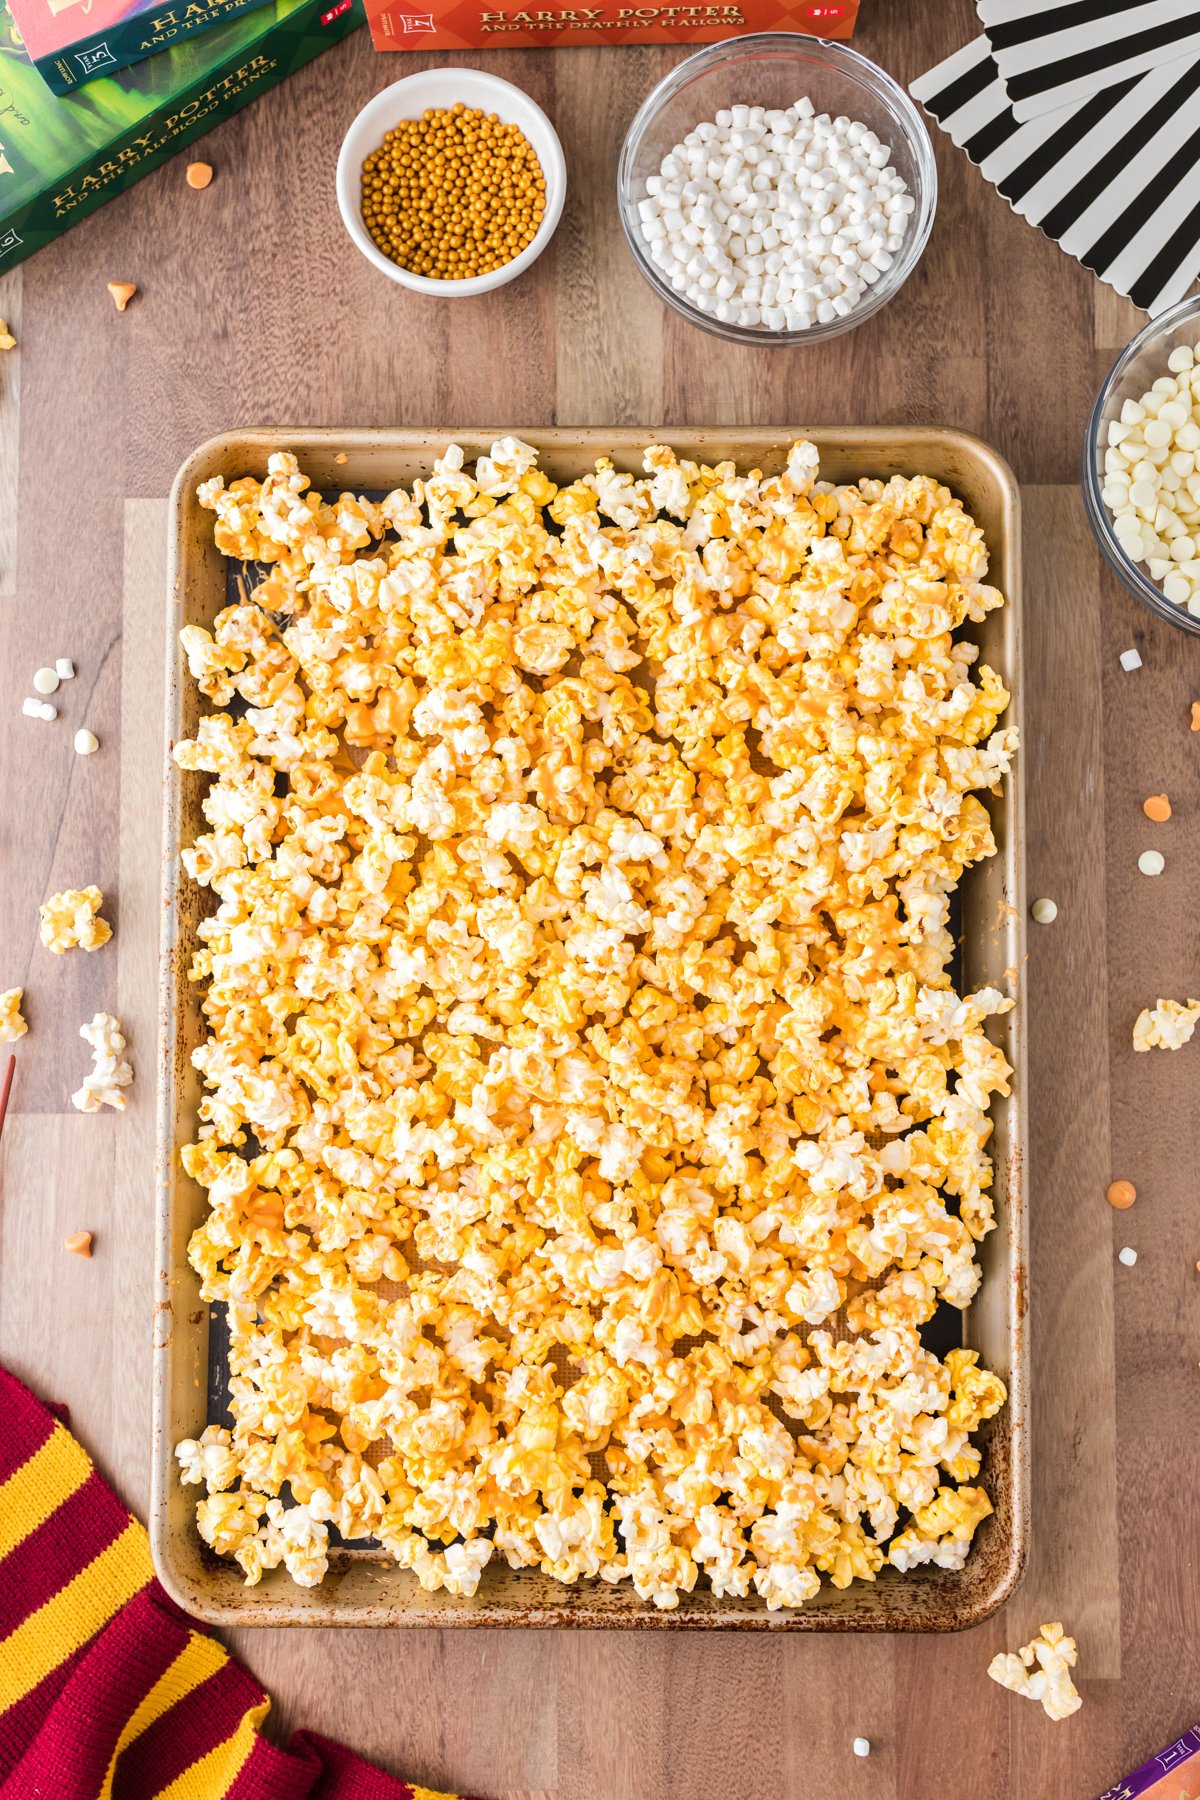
(1121, 1194)
(79, 1243)
(1158, 808)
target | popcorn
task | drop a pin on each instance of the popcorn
(109, 1075)
(1050, 1682)
(12, 1025)
(71, 919)
(580, 1036)
(1167, 1026)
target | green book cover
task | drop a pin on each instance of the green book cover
(70, 42)
(63, 156)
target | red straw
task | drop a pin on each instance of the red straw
(4, 1091)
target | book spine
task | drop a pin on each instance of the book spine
(180, 119)
(132, 40)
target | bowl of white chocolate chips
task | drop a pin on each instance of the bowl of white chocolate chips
(1141, 466)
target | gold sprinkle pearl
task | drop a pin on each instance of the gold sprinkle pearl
(453, 194)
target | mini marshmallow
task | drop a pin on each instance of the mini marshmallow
(800, 213)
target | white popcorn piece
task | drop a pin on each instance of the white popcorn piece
(12, 1025)
(1166, 1026)
(109, 1074)
(1050, 1681)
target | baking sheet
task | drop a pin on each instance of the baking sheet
(364, 1588)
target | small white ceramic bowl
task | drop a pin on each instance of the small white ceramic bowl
(408, 99)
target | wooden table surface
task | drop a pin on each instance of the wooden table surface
(255, 309)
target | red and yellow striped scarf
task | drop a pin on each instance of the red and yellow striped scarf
(107, 1690)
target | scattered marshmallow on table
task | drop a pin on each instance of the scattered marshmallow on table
(1152, 479)
(776, 220)
(1130, 660)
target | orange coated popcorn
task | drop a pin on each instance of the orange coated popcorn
(590, 1122)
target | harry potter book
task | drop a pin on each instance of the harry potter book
(73, 41)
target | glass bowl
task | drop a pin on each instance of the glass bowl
(775, 69)
(1136, 370)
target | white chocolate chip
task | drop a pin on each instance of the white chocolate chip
(64, 668)
(1152, 862)
(1044, 911)
(1130, 660)
(1127, 1256)
(1149, 468)
(86, 741)
(45, 681)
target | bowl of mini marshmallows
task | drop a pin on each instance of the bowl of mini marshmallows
(451, 182)
(1141, 466)
(776, 189)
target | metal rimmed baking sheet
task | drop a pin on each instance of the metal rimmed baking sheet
(365, 1589)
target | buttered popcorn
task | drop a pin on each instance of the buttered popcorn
(72, 920)
(590, 1122)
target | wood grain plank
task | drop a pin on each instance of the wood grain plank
(681, 1716)
(471, 1712)
(10, 430)
(845, 1690)
(1114, 318)
(1073, 1567)
(140, 749)
(610, 324)
(57, 1309)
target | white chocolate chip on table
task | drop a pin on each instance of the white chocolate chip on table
(775, 219)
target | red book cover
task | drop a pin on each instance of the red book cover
(491, 24)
